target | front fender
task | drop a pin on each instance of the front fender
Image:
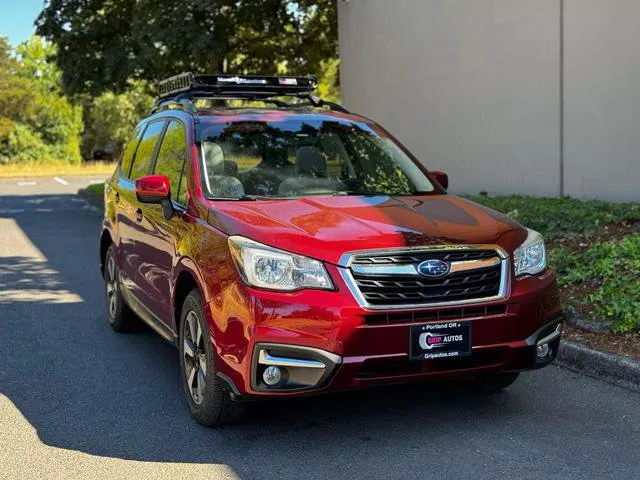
(187, 265)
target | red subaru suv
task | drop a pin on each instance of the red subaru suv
(294, 248)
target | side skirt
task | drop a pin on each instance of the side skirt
(148, 317)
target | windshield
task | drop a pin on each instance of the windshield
(304, 156)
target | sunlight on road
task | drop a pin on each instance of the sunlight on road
(25, 274)
(23, 455)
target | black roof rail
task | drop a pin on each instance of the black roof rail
(180, 90)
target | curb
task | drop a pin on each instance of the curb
(578, 320)
(95, 200)
(609, 367)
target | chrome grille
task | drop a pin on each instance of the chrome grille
(389, 279)
(417, 257)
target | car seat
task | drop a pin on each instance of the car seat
(311, 174)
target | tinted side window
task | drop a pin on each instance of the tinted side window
(181, 196)
(127, 156)
(129, 151)
(171, 159)
(142, 161)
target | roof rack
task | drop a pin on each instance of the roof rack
(180, 90)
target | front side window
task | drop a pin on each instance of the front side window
(144, 153)
(171, 160)
(305, 156)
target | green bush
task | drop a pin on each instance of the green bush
(613, 266)
(24, 145)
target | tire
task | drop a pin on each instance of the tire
(209, 402)
(120, 316)
(493, 382)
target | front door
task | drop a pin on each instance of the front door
(160, 238)
(130, 226)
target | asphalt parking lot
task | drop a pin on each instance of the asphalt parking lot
(80, 401)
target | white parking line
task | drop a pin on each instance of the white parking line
(60, 180)
(26, 184)
(95, 182)
(12, 211)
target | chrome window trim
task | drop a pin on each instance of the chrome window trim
(347, 259)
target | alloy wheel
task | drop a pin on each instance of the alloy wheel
(195, 360)
(112, 287)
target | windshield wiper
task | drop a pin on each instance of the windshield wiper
(245, 198)
(377, 194)
(353, 192)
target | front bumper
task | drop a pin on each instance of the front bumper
(359, 348)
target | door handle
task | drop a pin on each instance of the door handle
(138, 214)
(116, 197)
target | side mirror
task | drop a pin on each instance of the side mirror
(152, 189)
(440, 177)
(155, 189)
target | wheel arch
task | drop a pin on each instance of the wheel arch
(105, 242)
(187, 278)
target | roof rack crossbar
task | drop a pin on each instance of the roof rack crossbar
(188, 105)
(319, 102)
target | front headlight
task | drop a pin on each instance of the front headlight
(267, 267)
(530, 258)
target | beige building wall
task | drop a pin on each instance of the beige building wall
(480, 88)
(602, 99)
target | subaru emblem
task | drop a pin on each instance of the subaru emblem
(433, 268)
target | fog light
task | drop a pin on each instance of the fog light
(543, 350)
(272, 376)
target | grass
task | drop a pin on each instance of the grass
(561, 217)
(55, 169)
(609, 271)
(594, 249)
(97, 189)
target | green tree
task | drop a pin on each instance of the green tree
(37, 122)
(16, 102)
(102, 46)
(34, 60)
(110, 120)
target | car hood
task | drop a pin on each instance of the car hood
(325, 227)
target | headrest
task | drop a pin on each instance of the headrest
(213, 157)
(230, 168)
(311, 162)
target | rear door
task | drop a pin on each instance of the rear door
(158, 248)
(121, 202)
(129, 206)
